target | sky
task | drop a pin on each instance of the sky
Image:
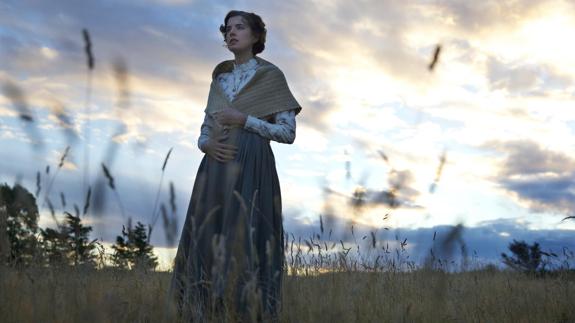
(485, 139)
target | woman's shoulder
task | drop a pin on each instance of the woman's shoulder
(269, 66)
(223, 67)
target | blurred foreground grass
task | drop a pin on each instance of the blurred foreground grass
(111, 295)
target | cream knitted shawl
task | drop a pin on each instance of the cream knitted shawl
(266, 93)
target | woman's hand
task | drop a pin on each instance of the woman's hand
(220, 151)
(229, 116)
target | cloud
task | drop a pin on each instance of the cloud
(316, 108)
(171, 49)
(356, 32)
(542, 178)
(526, 79)
(487, 15)
(525, 157)
(170, 57)
(555, 195)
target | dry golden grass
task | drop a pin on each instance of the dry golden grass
(425, 296)
(80, 295)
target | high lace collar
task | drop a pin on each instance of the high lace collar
(250, 64)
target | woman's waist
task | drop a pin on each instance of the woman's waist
(234, 134)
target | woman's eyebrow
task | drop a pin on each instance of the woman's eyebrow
(240, 24)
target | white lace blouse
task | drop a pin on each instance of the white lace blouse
(283, 128)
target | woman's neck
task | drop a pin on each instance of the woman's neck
(241, 58)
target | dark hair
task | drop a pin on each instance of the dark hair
(256, 25)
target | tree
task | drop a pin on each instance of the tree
(82, 248)
(525, 257)
(69, 244)
(132, 249)
(19, 222)
(55, 246)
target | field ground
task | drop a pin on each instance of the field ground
(74, 295)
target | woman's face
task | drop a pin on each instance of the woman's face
(239, 37)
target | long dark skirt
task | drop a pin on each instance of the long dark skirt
(230, 257)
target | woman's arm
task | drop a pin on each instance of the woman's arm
(283, 130)
(205, 132)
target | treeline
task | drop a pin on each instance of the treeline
(24, 243)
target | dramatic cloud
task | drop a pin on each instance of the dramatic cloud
(542, 178)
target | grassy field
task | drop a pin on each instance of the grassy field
(77, 295)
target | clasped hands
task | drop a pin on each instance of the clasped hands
(214, 147)
(230, 117)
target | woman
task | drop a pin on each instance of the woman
(230, 257)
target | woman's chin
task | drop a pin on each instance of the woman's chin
(236, 50)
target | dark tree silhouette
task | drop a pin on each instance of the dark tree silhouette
(70, 244)
(132, 250)
(18, 225)
(55, 246)
(83, 250)
(525, 257)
